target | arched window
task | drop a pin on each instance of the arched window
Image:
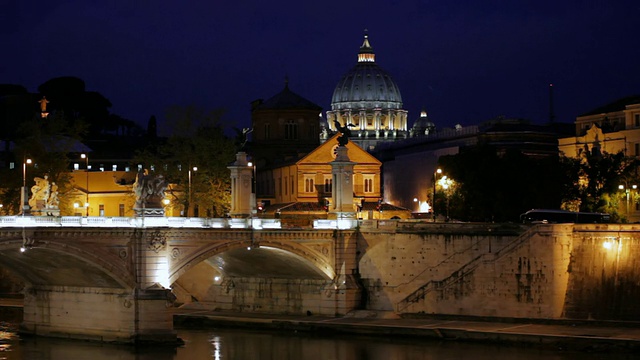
(267, 131)
(309, 185)
(327, 185)
(291, 130)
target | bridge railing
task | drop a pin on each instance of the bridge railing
(111, 222)
(161, 221)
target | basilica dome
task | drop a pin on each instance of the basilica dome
(368, 100)
(366, 85)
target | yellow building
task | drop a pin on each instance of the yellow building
(108, 193)
(304, 186)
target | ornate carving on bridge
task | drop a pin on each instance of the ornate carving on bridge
(156, 241)
(175, 253)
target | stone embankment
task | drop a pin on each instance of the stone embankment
(561, 335)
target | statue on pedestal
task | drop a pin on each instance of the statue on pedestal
(149, 190)
(44, 197)
(345, 133)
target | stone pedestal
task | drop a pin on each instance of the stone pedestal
(24, 201)
(241, 195)
(342, 206)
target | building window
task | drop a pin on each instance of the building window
(327, 185)
(368, 184)
(76, 166)
(101, 209)
(308, 185)
(267, 131)
(121, 210)
(291, 130)
(292, 186)
(636, 147)
(279, 187)
(636, 120)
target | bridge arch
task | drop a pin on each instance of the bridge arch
(310, 262)
(53, 262)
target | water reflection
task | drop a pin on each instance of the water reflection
(241, 345)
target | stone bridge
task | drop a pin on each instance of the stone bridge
(110, 278)
(118, 279)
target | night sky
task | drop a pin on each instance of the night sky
(463, 61)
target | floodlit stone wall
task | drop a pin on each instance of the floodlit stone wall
(582, 271)
(81, 313)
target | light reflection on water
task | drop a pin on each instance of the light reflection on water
(223, 344)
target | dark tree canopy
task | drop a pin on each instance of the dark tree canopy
(496, 186)
(197, 140)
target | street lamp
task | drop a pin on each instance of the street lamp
(254, 186)
(433, 199)
(24, 194)
(627, 192)
(86, 160)
(195, 168)
(446, 184)
(253, 183)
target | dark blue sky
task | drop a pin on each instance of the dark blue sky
(464, 61)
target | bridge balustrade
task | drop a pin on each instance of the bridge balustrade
(109, 222)
(193, 222)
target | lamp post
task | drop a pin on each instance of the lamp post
(24, 194)
(86, 160)
(433, 199)
(254, 187)
(627, 192)
(445, 186)
(195, 168)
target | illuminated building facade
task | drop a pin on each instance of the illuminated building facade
(612, 128)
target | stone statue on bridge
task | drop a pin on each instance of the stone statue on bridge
(44, 197)
(149, 190)
(345, 132)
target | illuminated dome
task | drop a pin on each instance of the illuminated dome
(369, 99)
(366, 85)
(423, 126)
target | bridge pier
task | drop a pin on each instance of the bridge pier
(115, 291)
(99, 314)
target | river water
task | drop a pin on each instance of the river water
(242, 344)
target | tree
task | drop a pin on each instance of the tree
(47, 142)
(197, 140)
(499, 186)
(591, 182)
